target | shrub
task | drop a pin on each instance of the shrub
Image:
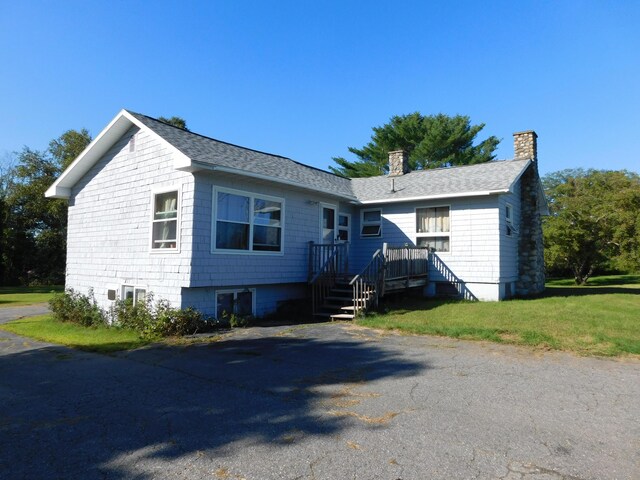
(72, 306)
(237, 321)
(159, 319)
(148, 318)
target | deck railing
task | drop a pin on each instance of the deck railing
(406, 262)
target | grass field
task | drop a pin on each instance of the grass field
(20, 296)
(600, 319)
(93, 339)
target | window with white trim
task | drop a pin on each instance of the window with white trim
(371, 223)
(165, 221)
(135, 294)
(344, 225)
(433, 228)
(247, 222)
(508, 215)
(235, 302)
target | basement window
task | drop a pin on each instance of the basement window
(240, 303)
(135, 294)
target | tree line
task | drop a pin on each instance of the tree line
(594, 225)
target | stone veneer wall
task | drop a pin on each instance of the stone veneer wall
(398, 163)
(525, 145)
(530, 246)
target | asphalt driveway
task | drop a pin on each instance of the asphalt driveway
(328, 401)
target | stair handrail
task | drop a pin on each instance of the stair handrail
(325, 278)
(325, 267)
(371, 275)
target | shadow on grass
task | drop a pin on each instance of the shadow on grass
(552, 291)
(130, 415)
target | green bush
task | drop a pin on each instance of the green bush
(159, 318)
(72, 306)
(149, 318)
(237, 321)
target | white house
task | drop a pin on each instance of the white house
(219, 227)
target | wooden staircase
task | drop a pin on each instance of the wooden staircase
(339, 303)
(336, 295)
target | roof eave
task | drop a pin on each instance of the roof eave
(196, 166)
(122, 122)
(483, 193)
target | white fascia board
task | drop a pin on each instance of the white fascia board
(122, 122)
(81, 165)
(435, 197)
(218, 168)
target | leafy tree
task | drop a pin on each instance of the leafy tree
(69, 146)
(34, 238)
(594, 222)
(432, 141)
(175, 121)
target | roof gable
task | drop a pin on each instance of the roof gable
(122, 122)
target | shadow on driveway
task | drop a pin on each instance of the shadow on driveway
(69, 414)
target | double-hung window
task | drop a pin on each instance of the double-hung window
(165, 221)
(247, 222)
(371, 223)
(433, 228)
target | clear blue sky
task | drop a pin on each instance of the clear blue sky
(307, 79)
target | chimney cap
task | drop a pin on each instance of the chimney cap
(524, 132)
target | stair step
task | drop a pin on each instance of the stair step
(342, 290)
(338, 299)
(351, 308)
(342, 316)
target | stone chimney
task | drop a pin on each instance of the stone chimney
(398, 163)
(525, 145)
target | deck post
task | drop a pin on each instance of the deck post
(408, 269)
(311, 242)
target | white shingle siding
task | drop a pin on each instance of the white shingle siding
(301, 225)
(509, 244)
(108, 239)
(474, 240)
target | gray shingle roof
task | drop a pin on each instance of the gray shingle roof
(443, 182)
(209, 151)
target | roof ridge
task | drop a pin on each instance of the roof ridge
(236, 145)
(444, 169)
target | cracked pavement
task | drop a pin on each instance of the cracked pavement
(318, 402)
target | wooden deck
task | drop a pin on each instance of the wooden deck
(338, 295)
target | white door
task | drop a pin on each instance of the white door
(327, 223)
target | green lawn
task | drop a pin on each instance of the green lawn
(601, 319)
(20, 296)
(100, 339)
